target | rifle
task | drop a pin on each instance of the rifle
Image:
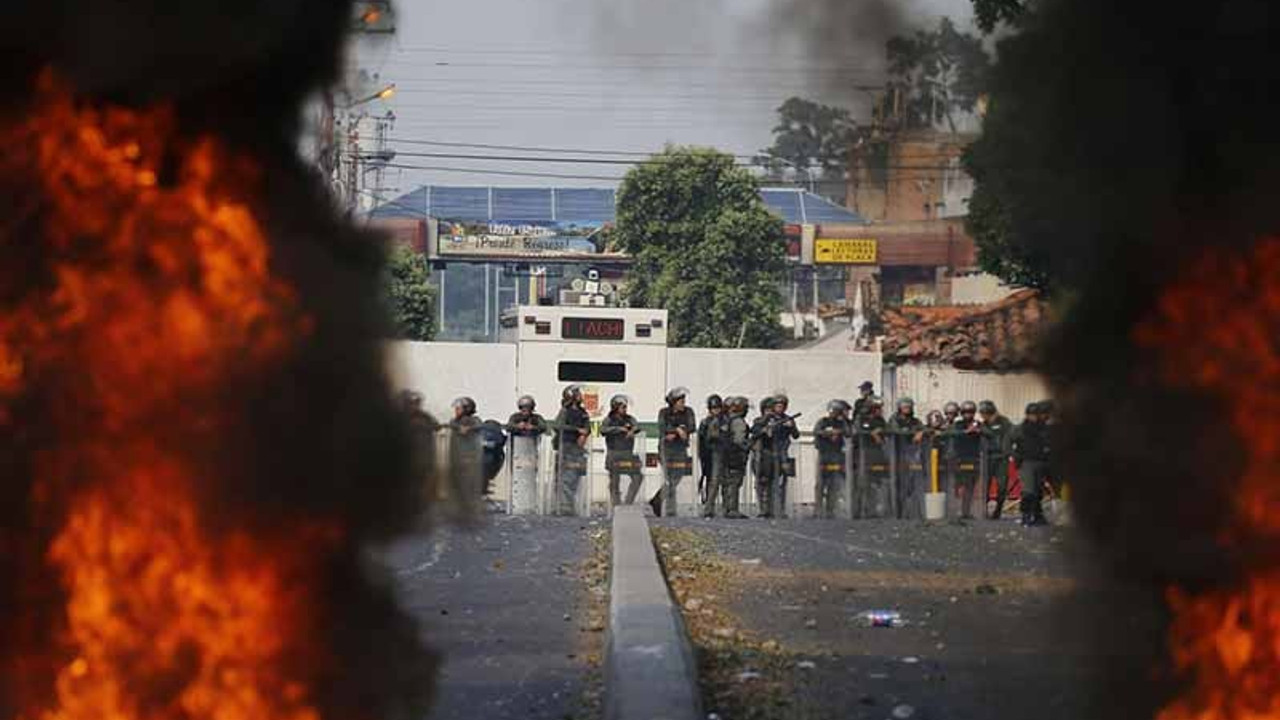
(769, 425)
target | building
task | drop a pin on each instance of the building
(499, 247)
(912, 175)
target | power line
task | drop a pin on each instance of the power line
(579, 151)
(654, 160)
(514, 173)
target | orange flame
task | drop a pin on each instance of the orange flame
(1216, 331)
(159, 300)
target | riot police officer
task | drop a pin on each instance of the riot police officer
(735, 446)
(709, 431)
(966, 450)
(526, 422)
(865, 392)
(774, 442)
(573, 427)
(909, 458)
(831, 435)
(996, 436)
(1032, 455)
(951, 413)
(676, 424)
(619, 430)
(464, 443)
(874, 495)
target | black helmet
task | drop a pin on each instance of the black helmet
(1046, 407)
(1033, 408)
(676, 393)
(571, 395)
(935, 419)
(986, 407)
(906, 402)
(875, 401)
(410, 398)
(714, 401)
(781, 398)
(968, 407)
(866, 385)
(765, 404)
(618, 400)
(951, 409)
(737, 404)
(526, 403)
(839, 406)
(467, 404)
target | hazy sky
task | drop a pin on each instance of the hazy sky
(618, 75)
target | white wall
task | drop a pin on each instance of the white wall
(443, 371)
(931, 385)
(809, 378)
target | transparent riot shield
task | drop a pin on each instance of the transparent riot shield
(524, 462)
(983, 491)
(949, 463)
(461, 468)
(592, 478)
(877, 491)
(893, 489)
(847, 488)
(572, 462)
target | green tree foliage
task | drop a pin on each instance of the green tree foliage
(409, 295)
(704, 247)
(938, 73)
(990, 13)
(810, 135)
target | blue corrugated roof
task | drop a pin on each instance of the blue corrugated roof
(577, 205)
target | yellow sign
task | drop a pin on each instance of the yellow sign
(844, 251)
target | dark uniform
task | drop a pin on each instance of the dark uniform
(831, 436)
(526, 424)
(774, 443)
(997, 434)
(464, 444)
(966, 452)
(1032, 455)
(572, 425)
(735, 445)
(909, 459)
(873, 492)
(710, 472)
(619, 430)
(676, 424)
(860, 405)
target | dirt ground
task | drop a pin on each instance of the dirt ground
(773, 610)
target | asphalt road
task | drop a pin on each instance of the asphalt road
(510, 609)
(990, 632)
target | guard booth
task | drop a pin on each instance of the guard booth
(605, 351)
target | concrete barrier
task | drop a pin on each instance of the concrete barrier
(650, 672)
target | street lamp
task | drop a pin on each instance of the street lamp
(384, 94)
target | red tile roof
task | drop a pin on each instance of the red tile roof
(996, 336)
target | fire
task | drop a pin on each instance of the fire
(150, 308)
(1216, 331)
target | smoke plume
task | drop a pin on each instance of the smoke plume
(1134, 144)
(192, 391)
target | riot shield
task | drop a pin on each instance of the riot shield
(524, 459)
(983, 491)
(571, 470)
(462, 456)
(893, 506)
(847, 488)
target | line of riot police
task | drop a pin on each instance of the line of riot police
(867, 465)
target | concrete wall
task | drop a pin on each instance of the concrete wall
(932, 385)
(443, 371)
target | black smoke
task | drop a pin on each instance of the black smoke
(319, 437)
(1124, 141)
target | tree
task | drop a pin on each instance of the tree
(409, 295)
(810, 135)
(989, 13)
(704, 247)
(938, 73)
